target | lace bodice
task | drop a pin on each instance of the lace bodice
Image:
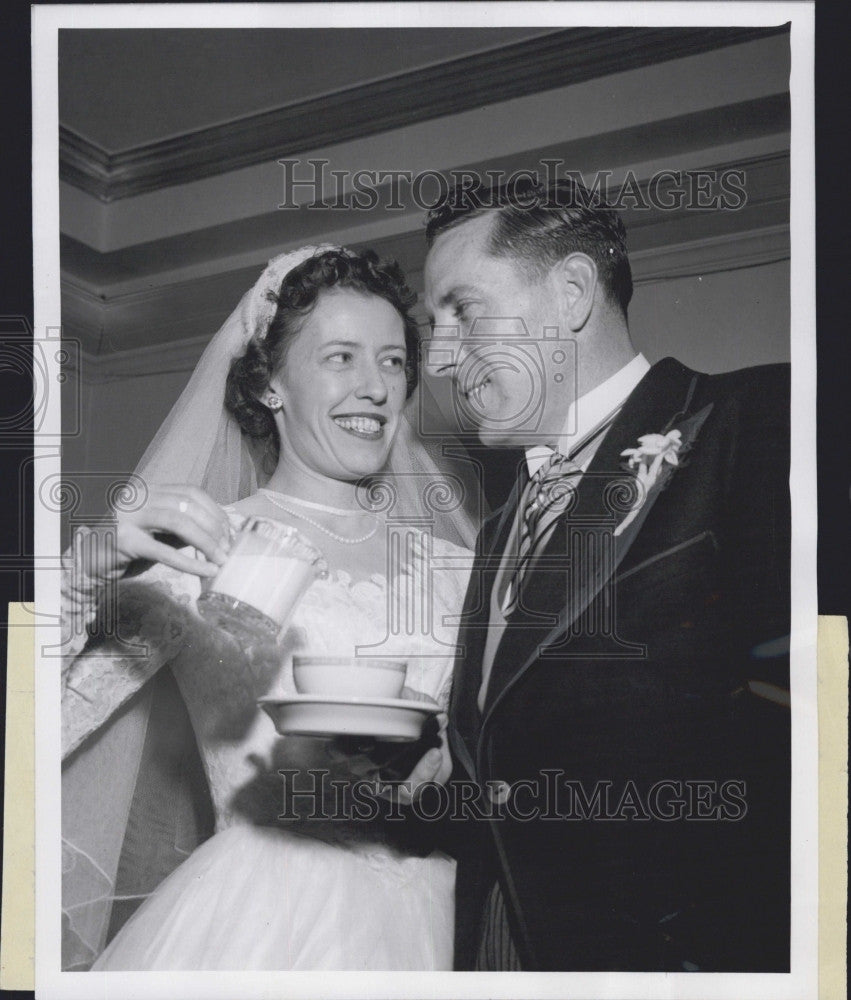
(411, 616)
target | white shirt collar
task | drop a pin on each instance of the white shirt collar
(590, 410)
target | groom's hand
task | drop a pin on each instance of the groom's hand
(399, 775)
(433, 767)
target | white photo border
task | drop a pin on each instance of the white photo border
(802, 981)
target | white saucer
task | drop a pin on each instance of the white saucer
(396, 719)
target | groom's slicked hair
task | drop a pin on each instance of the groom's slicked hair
(539, 225)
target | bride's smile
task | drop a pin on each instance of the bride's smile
(363, 425)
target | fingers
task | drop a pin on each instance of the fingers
(185, 512)
(445, 770)
(428, 767)
(149, 548)
(411, 694)
(200, 505)
(186, 527)
(428, 770)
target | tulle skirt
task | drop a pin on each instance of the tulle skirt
(267, 899)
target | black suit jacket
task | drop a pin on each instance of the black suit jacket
(634, 714)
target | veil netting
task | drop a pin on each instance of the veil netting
(201, 444)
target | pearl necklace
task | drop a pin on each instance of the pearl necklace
(273, 498)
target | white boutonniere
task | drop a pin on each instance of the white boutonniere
(653, 460)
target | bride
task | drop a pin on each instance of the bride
(315, 378)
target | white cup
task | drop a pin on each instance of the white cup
(349, 676)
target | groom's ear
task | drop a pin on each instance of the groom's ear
(576, 278)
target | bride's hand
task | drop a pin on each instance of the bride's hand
(171, 516)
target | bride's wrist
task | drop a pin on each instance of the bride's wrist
(90, 563)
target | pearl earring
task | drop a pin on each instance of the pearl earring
(275, 402)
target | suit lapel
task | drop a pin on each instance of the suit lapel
(560, 589)
(464, 715)
(504, 517)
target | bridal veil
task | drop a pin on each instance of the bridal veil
(201, 444)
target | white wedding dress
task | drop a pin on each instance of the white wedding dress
(263, 894)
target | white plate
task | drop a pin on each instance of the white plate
(396, 719)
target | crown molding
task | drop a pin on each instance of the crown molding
(180, 356)
(554, 60)
(711, 254)
(702, 256)
(686, 142)
(123, 283)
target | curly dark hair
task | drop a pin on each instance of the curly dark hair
(361, 271)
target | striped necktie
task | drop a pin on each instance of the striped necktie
(546, 497)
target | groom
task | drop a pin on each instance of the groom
(621, 694)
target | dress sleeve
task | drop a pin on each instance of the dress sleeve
(117, 635)
(81, 596)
